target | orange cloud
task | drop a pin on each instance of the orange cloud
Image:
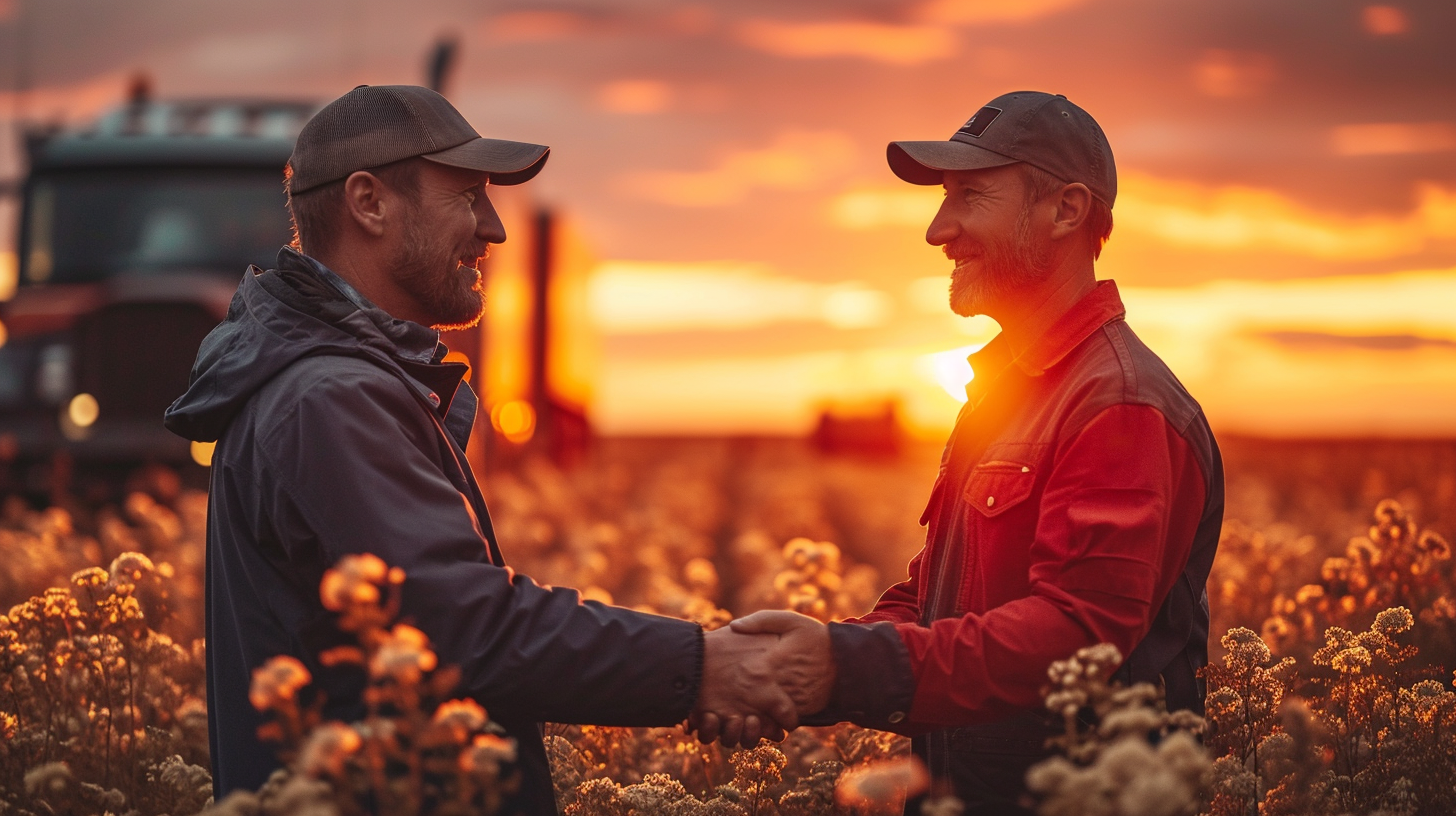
(1230, 74)
(1238, 218)
(1229, 218)
(797, 160)
(1349, 355)
(1386, 138)
(645, 297)
(1383, 21)
(992, 11)
(634, 96)
(79, 101)
(534, 26)
(892, 44)
(872, 208)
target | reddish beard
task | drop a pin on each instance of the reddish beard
(1007, 265)
(450, 293)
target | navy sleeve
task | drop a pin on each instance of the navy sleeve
(356, 461)
(873, 682)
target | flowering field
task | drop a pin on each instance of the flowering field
(1334, 637)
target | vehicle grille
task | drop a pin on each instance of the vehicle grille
(135, 358)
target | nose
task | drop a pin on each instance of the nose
(943, 228)
(488, 226)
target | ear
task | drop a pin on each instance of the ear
(1072, 209)
(364, 200)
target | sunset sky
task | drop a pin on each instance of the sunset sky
(1285, 224)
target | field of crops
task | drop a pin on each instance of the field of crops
(1334, 637)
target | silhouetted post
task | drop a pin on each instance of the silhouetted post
(440, 63)
(540, 387)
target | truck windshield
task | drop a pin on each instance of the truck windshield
(91, 225)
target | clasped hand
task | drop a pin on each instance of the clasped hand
(760, 675)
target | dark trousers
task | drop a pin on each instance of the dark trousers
(984, 765)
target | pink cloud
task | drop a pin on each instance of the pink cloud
(1390, 138)
(1232, 74)
(892, 44)
(796, 160)
(992, 11)
(1384, 21)
(76, 102)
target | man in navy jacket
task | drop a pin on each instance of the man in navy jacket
(340, 430)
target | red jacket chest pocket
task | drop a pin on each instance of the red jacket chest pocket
(1000, 525)
(997, 486)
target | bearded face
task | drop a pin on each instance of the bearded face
(992, 269)
(440, 274)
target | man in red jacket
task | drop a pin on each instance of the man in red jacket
(1079, 498)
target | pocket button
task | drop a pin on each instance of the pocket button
(990, 501)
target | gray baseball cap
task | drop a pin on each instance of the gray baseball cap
(1043, 130)
(375, 125)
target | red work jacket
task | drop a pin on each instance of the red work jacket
(1079, 501)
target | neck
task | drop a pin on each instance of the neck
(362, 271)
(1034, 312)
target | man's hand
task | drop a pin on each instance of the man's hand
(797, 672)
(739, 700)
(802, 661)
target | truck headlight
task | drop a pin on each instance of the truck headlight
(55, 376)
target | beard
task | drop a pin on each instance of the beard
(450, 292)
(1007, 266)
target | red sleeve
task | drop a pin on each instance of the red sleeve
(1115, 528)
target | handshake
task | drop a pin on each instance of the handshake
(761, 674)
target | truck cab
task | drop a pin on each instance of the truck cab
(134, 234)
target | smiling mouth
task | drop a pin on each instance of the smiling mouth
(962, 263)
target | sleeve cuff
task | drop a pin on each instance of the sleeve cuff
(873, 683)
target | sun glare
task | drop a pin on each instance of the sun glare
(950, 369)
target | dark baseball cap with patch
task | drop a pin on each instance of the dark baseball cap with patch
(1043, 130)
(375, 125)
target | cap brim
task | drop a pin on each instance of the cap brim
(506, 162)
(925, 162)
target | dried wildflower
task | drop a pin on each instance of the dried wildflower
(403, 656)
(488, 752)
(942, 806)
(1393, 621)
(90, 578)
(465, 715)
(1433, 545)
(327, 748)
(1308, 594)
(1352, 660)
(49, 779)
(701, 577)
(1335, 570)
(356, 580)
(131, 567)
(1244, 648)
(277, 682)
(880, 784)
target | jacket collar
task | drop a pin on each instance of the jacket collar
(1056, 335)
(411, 341)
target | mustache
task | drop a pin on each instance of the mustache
(475, 256)
(962, 248)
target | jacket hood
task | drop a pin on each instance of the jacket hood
(276, 318)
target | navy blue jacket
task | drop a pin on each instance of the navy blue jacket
(339, 431)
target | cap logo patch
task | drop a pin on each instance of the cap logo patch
(978, 123)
